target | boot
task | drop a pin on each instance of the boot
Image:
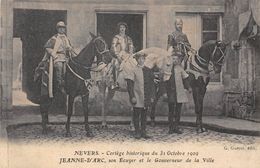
(137, 133)
(170, 117)
(115, 86)
(143, 124)
(44, 121)
(177, 118)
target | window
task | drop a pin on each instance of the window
(200, 28)
(107, 26)
(210, 27)
(211, 31)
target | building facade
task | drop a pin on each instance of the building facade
(150, 22)
(241, 79)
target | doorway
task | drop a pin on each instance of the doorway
(31, 29)
(107, 27)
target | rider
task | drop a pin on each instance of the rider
(122, 47)
(178, 40)
(59, 48)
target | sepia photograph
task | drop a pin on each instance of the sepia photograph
(130, 83)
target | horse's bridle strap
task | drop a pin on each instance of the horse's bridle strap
(88, 82)
(196, 53)
(222, 56)
(200, 59)
(105, 50)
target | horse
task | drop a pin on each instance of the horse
(77, 79)
(155, 58)
(105, 81)
(210, 54)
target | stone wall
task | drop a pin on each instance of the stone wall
(81, 19)
(242, 67)
(6, 56)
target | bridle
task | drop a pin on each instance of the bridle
(220, 61)
(204, 62)
(88, 82)
(105, 44)
(91, 68)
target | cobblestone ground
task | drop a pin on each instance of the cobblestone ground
(121, 133)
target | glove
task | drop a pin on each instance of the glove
(133, 100)
(54, 56)
(69, 48)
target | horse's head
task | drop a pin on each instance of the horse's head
(101, 49)
(218, 55)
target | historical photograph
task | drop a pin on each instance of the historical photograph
(130, 83)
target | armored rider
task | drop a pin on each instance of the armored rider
(59, 48)
(178, 40)
(122, 47)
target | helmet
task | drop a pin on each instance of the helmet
(60, 24)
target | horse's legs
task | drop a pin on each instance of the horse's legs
(85, 99)
(69, 113)
(160, 92)
(102, 90)
(44, 108)
(198, 96)
(201, 95)
(105, 102)
(152, 111)
(195, 94)
(103, 106)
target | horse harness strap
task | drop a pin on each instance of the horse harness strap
(99, 52)
(93, 69)
(202, 60)
(88, 82)
(105, 50)
(222, 56)
(195, 52)
(195, 67)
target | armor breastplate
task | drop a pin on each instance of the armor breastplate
(122, 44)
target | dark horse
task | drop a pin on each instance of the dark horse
(77, 80)
(211, 53)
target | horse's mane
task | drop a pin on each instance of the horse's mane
(83, 51)
(207, 48)
(154, 56)
(86, 55)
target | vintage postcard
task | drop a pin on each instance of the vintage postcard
(120, 83)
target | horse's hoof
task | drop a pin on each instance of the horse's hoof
(89, 134)
(68, 134)
(201, 130)
(204, 130)
(104, 126)
(132, 128)
(198, 130)
(44, 132)
(153, 123)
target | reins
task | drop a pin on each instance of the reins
(88, 82)
(201, 59)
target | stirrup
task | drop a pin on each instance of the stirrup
(115, 86)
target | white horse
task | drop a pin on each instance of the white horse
(154, 57)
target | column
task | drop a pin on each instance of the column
(6, 56)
